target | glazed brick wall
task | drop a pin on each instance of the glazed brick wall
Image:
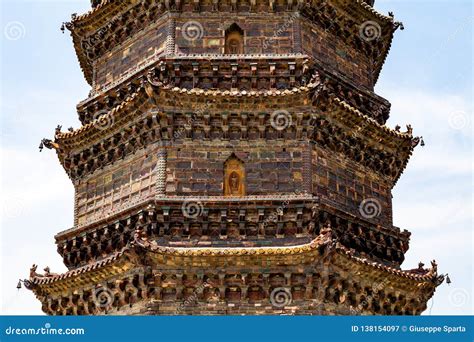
(278, 34)
(128, 55)
(345, 184)
(199, 169)
(334, 53)
(110, 190)
(273, 34)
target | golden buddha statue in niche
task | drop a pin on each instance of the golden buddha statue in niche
(234, 183)
(234, 40)
(234, 47)
(234, 177)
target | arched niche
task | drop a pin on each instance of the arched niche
(234, 40)
(234, 177)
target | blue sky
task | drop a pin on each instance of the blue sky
(427, 78)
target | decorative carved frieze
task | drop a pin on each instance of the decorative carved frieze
(250, 73)
(195, 222)
(332, 280)
(317, 126)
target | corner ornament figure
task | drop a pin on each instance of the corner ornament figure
(48, 143)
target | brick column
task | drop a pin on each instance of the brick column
(161, 172)
(171, 36)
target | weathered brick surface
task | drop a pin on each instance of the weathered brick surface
(131, 54)
(110, 190)
(346, 184)
(199, 170)
(335, 54)
(273, 34)
(277, 34)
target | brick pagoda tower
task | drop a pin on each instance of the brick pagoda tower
(233, 158)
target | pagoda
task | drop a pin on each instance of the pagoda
(233, 158)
